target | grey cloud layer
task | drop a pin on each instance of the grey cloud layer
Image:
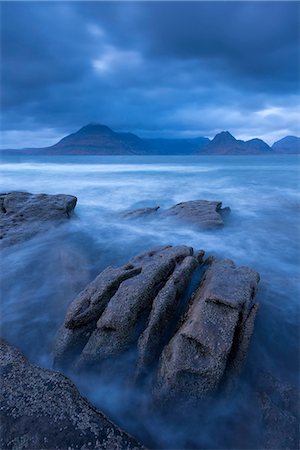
(153, 68)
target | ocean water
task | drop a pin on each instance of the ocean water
(39, 278)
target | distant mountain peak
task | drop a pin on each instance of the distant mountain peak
(223, 137)
(95, 128)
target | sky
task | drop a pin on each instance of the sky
(157, 69)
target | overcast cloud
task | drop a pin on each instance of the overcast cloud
(156, 69)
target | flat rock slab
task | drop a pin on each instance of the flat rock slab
(23, 215)
(199, 213)
(41, 409)
(187, 321)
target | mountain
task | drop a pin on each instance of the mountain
(94, 139)
(289, 144)
(226, 144)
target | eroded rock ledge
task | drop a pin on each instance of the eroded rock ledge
(23, 215)
(41, 409)
(141, 306)
(199, 213)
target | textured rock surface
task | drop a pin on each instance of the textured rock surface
(280, 413)
(104, 320)
(142, 307)
(199, 213)
(41, 409)
(212, 341)
(22, 215)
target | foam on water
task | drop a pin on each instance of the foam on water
(41, 277)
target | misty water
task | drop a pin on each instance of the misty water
(40, 277)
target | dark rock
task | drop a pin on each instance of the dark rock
(139, 212)
(140, 307)
(279, 405)
(41, 409)
(199, 213)
(211, 344)
(107, 325)
(23, 215)
(163, 310)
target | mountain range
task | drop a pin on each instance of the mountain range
(95, 139)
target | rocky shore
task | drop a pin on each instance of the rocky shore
(185, 318)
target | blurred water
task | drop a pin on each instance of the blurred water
(39, 278)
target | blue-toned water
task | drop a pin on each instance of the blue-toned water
(42, 276)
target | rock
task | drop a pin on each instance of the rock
(107, 326)
(279, 405)
(139, 212)
(199, 213)
(41, 409)
(163, 310)
(212, 341)
(141, 308)
(23, 215)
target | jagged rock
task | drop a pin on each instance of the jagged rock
(22, 215)
(103, 320)
(279, 405)
(212, 341)
(141, 306)
(41, 409)
(163, 309)
(199, 213)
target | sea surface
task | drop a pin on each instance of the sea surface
(39, 278)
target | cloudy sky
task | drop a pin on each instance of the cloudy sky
(168, 69)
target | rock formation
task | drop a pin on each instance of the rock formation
(23, 215)
(199, 213)
(212, 342)
(41, 409)
(140, 306)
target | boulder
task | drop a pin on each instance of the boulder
(187, 322)
(105, 319)
(199, 213)
(211, 343)
(23, 215)
(41, 409)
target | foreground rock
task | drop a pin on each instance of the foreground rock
(279, 405)
(140, 307)
(212, 342)
(199, 213)
(41, 409)
(23, 215)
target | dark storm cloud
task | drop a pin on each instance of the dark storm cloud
(152, 68)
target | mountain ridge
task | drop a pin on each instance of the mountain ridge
(99, 139)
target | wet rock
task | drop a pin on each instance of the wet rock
(211, 344)
(41, 409)
(23, 215)
(279, 403)
(163, 310)
(110, 322)
(199, 213)
(188, 323)
(140, 212)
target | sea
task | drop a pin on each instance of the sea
(40, 277)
